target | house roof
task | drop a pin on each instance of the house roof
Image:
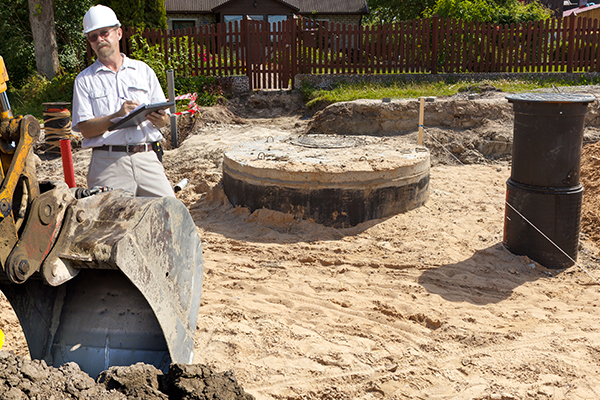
(580, 10)
(304, 6)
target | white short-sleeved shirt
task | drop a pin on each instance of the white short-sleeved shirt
(98, 91)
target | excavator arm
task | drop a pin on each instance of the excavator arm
(100, 278)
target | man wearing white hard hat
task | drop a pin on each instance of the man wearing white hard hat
(108, 89)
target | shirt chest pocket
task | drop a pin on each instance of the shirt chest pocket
(100, 103)
(139, 93)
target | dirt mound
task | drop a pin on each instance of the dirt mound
(24, 379)
(590, 179)
(267, 104)
(187, 124)
(374, 117)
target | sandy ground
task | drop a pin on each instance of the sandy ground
(422, 305)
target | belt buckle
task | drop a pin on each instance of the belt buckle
(128, 147)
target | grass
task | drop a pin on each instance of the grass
(402, 90)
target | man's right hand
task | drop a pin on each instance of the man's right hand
(127, 107)
(97, 126)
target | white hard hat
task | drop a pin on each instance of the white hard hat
(99, 17)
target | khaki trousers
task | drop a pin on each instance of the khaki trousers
(138, 173)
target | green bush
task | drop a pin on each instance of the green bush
(207, 88)
(37, 89)
(498, 12)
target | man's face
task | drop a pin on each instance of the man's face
(105, 41)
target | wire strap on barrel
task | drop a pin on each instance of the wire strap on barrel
(57, 126)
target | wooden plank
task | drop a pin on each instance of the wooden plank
(558, 37)
(358, 48)
(471, 47)
(401, 46)
(410, 42)
(544, 47)
(522, 37)
(452, 45)
(571, 41)
(595, 46)
(537, 46)
(505, 47)
(344, 43)
(481, 36)
(427, 51)
(435, 34)
(553, 46)
(494, 38)
(287, 32)
(587, 43)
(378, 38)
(371, 60)
(525, 46)
(388, 43)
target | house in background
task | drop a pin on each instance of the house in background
(584, 9)
(183, 14)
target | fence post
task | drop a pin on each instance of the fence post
(173, 116)
(571, 43)
(294, 48)
(434, 45)
(248, 58)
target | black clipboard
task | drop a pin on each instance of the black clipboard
(138, 115)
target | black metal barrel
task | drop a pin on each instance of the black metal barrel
(543, 211)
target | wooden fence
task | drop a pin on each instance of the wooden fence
(272, 54)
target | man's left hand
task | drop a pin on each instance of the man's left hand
(158, 118)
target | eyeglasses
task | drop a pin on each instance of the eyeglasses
(103, 34)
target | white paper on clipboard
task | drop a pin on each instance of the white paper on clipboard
(138, 115)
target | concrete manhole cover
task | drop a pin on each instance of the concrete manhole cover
(326, 141)
(333, 180)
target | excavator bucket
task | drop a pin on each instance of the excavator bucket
(127, 275)
(100, 278)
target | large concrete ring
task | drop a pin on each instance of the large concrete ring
(334, 180)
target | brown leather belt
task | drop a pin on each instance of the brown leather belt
(129, 148)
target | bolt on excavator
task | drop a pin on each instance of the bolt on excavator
(99, 278)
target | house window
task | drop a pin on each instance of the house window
(256, 17)
(274, 19)
(182, 24)
(231, 18)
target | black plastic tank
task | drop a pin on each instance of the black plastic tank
(555, 212)
(543, 214)
(548, 136)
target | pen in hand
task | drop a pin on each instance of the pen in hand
(127, 106)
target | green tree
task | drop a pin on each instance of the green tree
(139, 13)
(383, 11)
(68, 16)
(16, 43)
(155, 14)
(501, 12)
